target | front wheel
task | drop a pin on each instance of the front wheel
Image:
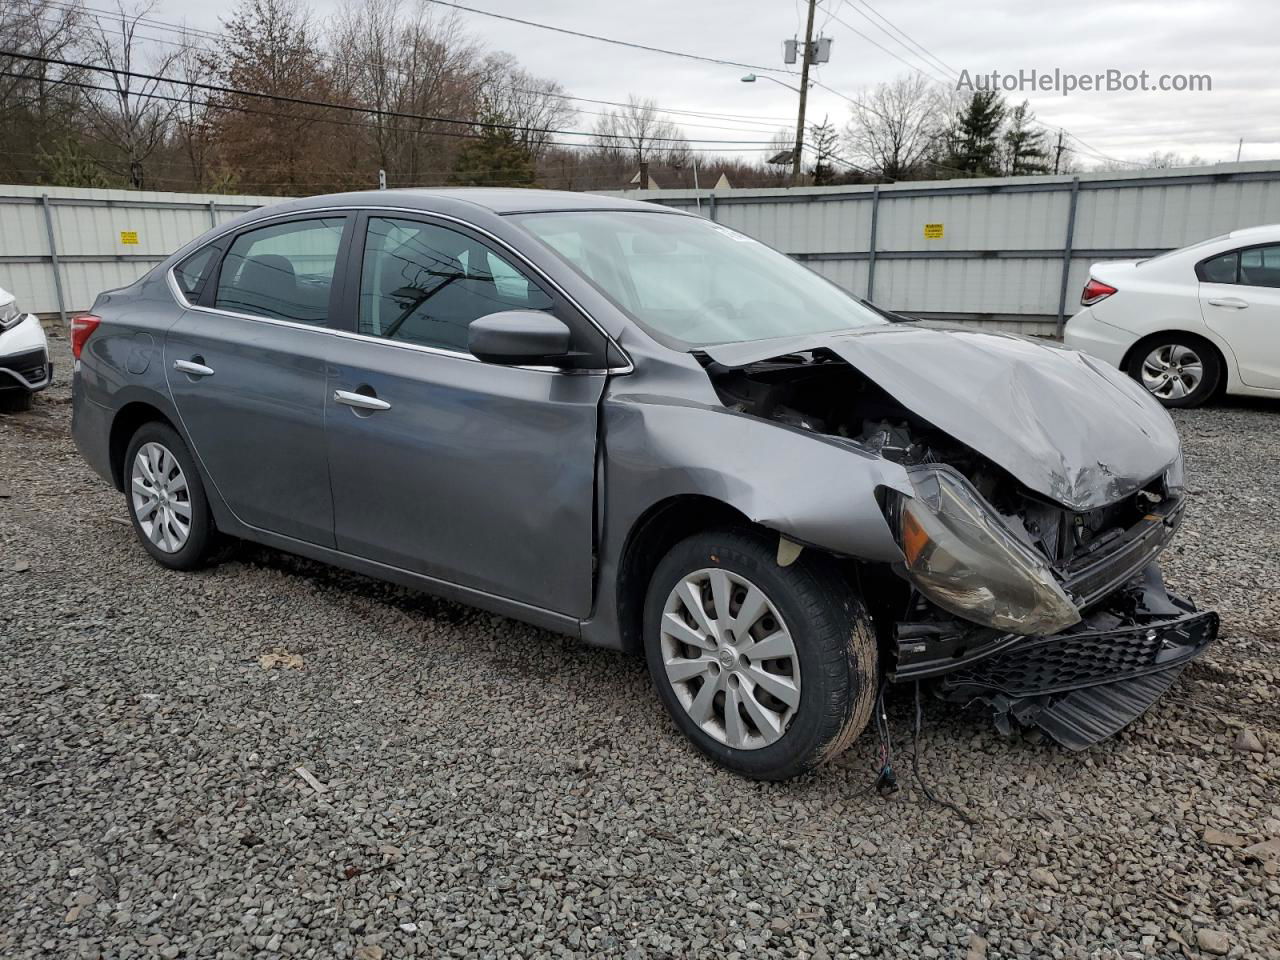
(769, 670)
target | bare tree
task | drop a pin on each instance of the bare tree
(38, 108)
(638, 132)
(535, 105)
(193, 125)
(400, 57)
(894, 127)
(130, 117)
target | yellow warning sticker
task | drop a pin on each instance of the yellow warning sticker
(128, 236)
(933, 231)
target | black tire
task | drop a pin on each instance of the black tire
(201, 539)
(15, 401)
(1210, 361)
(833, 637)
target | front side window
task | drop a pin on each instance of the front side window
(694, 281)
(424, 284)
(1260, 266)
(192, 272)
(283, 271)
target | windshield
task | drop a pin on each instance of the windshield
(693, 281)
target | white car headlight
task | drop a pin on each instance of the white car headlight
(960, 555)
(10, 315)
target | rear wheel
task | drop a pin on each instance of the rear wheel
(769, 670)
(167, 503)
(1179, 370)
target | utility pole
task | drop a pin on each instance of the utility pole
(1239, 148)
(644, 174)
(797, 162)
(1057, 153)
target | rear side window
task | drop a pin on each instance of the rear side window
(283, 272)
(1220, 269)
(192, 272)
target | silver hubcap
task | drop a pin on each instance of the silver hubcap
(161, 501)
(730, 659)
(1172, 372)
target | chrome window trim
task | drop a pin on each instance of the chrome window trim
(178, 295)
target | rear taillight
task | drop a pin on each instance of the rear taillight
(1095, 291)
(81, 330)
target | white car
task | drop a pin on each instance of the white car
(24, 355)
(1189, 323)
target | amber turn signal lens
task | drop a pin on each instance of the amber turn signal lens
(914, 539)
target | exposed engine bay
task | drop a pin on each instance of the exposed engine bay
(1099, 560)
(819, 392)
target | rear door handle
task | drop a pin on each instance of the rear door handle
(192, 368)
(1235, 303)
(359, 400)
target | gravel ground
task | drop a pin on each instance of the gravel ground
(476, 787)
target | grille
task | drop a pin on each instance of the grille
(1055, 664)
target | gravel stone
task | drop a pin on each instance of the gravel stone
(1213, 941)
(1248, 741)
(538, 801)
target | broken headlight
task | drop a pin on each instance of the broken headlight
(961, 556)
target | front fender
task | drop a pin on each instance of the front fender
(813, 489)
(816, 490)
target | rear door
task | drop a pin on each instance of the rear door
(246, 367)
(1240, 301)
(473, 473)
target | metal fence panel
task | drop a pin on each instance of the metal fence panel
(994, 251)
(990, 251)
(102, 238)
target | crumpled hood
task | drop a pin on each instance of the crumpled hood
(1064, 424)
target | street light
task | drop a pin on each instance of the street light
(752, 78)
(788, 156)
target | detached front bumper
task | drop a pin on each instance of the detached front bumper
(1081, 685)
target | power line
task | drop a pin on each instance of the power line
(920, 46)
(932, 75)
(377, 111)
(620, 43)
(215, 105)
(170, 27)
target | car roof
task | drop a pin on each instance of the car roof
(1264, 232)
(499, 200)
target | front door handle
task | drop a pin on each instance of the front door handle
(192, 368)
(1235, 303)
(360, 400)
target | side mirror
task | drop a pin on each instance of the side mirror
(516, 337)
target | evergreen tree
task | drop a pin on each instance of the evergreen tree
(975, 135)
(1024, 146)
(824, 138)
(494, 159)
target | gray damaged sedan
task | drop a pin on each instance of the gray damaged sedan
(638, 427)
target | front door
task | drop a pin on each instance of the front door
(477, 474)
(247, 366)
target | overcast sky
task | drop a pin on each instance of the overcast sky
(1234, 41)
